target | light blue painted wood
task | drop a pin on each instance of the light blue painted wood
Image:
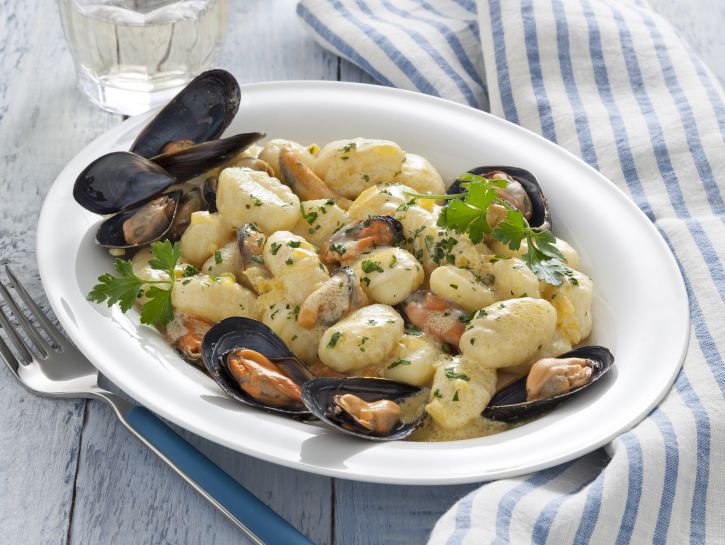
(69, 473)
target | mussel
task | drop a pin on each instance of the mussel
(200, 112)
(333, 300)
(141, 225)
(189, 203)
(303, 181)
(511, 405)
(191, 161)
(377, 409)
(119, 181)
(254, 366)
(523, 192)
(348, 243)
(436, 316)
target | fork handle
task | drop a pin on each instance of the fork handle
(249, 513)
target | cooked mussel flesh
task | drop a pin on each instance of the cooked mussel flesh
(333, 300)
(551, 377)
(521, 192)
(262, 379)
(303, 181)
(352, 240)
(119, 181)
(512, 404)
(377, 409)
(190, 202)
(250, 241)
(186, 333)
(436, 316)
(377, 416)
(142, 225)
(199, 112)
(254, 366)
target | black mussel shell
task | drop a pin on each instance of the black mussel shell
(110, 233)
(208, 190)
(118, 181)
(200, 158)
(318, 395)
(510, 405)
(540, 216)
(200, 112)
(396, 228)
(237, 332)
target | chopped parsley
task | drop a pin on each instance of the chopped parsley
(397, 362)
(217, 257)
(275, 248)
(370, 265)
(452, 374)
(333, 339)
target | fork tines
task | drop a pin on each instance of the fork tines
(37, 342)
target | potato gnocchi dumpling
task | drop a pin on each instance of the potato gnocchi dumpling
(461, 286)
(251, 196)
(460, 391)
(415, 360)
(213, 298)
(434, 246)
(351, 166)
(572, 301)
(418, 173)
(295, 262)
(319, 220)
(226, 259)
(512, 278)
(281, 317)
(389, 275)
(205, 235)
(508, 333)
(364, 338)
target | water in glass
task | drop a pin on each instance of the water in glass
(132, 55)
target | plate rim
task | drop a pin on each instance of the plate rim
(45, 269)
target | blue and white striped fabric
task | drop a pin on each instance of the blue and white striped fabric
(611, 82)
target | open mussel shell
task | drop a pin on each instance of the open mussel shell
(200, 158)
(510, 405)
(118, 181)
(142, 225)
(540, 216)
(238, 332)
(200, 112)
(318, 395)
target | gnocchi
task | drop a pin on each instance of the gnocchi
(389, 275)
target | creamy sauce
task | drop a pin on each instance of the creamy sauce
(412, 407)
(478, 427)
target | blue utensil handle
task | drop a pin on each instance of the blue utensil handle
(245, 507)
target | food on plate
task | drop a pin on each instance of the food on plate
(343, 282)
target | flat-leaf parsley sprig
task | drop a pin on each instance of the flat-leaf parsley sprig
(126, 288)
(466, 213)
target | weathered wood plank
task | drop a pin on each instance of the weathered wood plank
(38, 437)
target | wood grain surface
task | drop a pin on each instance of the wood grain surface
(69, 473)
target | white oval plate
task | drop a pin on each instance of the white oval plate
(640, 308)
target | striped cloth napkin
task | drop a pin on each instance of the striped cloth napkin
(611, 82)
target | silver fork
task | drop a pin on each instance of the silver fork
(62, 371)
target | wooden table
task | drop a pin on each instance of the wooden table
(69, 473)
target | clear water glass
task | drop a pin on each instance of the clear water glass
(134, 55)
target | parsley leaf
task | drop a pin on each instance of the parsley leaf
(398, 362)
(369, 266)
(466, 213)
(126, 288)
(451, 374)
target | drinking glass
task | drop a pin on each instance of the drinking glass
(133, 55)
